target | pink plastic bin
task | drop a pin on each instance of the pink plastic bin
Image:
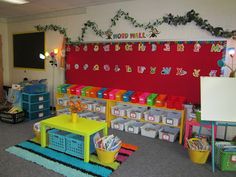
(143, 97)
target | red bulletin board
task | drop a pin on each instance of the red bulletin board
(167, 67)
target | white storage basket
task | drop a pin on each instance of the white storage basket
(119, 123)
(119, 110)
(100, 107)
(172, 118)
(88, 105)
(136, 113)
(153, 115)
(133, 126)
(168, 133)
(150, 130)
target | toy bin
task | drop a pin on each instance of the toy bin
(136, 113)
(68, 89)
(119, 95)
(127, 96)
(78, 90)
(112, 94)
(100, 107)
(143, 97)
(119, 123)
(151, 99)
(161, 100)
(150, 130)
(168, 133)
(64, 88)
(172, 118)
(59, 88)
(75, 145)
(153, 115)
(135, 97)
(87, 92)
(119, 110)
(57, 139)
(133, 126)
(225, 156)
(106, 156)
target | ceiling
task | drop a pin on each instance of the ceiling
(47, 8)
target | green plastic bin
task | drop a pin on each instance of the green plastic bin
(151, 99)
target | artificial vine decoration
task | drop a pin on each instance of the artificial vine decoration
(169, 19)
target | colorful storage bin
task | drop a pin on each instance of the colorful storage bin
(78, 90)
(119, 95)
(225, 156)
(161, 100)
(143, 97)
(127, 96)
(100, 92)
(135, 97)
(84, 89)
(75, 145)
(151, 99)
(106, 93)
(112, 94)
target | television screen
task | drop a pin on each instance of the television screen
(26, 50)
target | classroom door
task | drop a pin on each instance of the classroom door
(1, 70)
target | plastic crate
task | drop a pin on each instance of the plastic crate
(75, 145)
(136, 113)
(150, 130)
(225, 156)
(35, 88)
(168, 133)
(57, 139)
(34, 98)
(133, 126)
(100, 107)
(38, 114)
(12, 118)
(35, 106)
(153, 115)
(172, 118)
(119, 110)
(119, 123)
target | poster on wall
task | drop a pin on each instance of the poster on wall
(165, 67)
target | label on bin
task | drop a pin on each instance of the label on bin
(166, 137)
(41, 114)
(117, 126)
(117, 112)
(169, 121)
(233, 158)
(41, 98)
(98, 108)
(132, 115)
(41, 106)
(131, 129)
(150, 118)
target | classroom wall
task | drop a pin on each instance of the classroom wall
(217, 12)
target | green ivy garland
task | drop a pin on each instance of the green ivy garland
(169, 19)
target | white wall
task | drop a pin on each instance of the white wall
(217, 12)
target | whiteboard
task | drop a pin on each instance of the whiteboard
(218, 99)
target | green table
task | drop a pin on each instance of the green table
(83, 127)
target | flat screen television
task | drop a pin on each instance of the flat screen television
(26, 50)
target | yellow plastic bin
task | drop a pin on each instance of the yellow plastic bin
(107, 156)
(198, 156)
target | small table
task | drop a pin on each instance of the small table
(84, 127)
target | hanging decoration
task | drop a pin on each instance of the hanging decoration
(170, 19)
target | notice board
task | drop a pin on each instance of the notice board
(164, 67)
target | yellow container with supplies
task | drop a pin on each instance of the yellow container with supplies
(107, 156)
(198, 156)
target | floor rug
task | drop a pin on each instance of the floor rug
(68, 165)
